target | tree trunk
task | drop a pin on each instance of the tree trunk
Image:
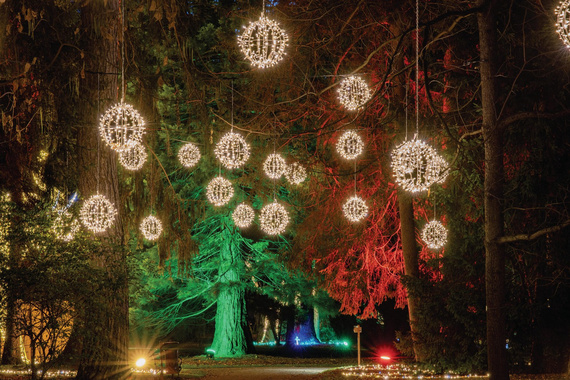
(105, 343)
(229, 337)
(493, 196)
(9, 355)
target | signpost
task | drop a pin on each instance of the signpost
(358, 330)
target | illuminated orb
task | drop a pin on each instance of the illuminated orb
(437, 169)
(414, 166)
(140, 362)
(133, 156)
(65, 226)
(120, 125)
(274, 218)
(263, 42)
(243, 215)
(353, 93)
(295, 173)
(189, 155)
(350, 145)
(274, 166)
(151, 228)
(355, 209)
(97, 213)
(219, 191)
(434, 235)
(232, 150)
(563, 21)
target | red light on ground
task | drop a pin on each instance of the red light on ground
(385, 357)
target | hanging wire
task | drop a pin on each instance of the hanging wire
(123, 51)
(407, 89)
(232, 129)
(355, 177)
(417, 66)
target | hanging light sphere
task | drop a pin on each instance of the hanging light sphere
(295, 173)
(437, 169)
(350, 145)
(151, 228)
(274, 218)
(133, 156)
(97, 213)
(413, 165)
(355, 209)
(434, 234)
(64, 226)
(120, 125)
(219, 191)
(263, 42)
(243, 215)
(353, 93)
(189, 155)
(274, 166)
(232, 150)
(563, 21)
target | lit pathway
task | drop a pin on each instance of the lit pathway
(256, 373)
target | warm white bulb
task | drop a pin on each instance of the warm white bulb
(232, 150)
(350, 145)
(353, 93)
(97, 213)
(243, 215)
(133, 156)
(151, 228)
(219, 191)
(274, 166)
(189, 155)
(355, 209)
(274, 219)
(263, 42)
(121, 125)
(434, 235)
(295, 173)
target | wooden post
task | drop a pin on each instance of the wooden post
(358, 330)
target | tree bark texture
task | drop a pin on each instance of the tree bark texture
(493, 196)
(105, 342)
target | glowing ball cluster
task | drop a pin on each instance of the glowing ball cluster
(121, 125)
(151, 228)
(232, 150)
(416, 165)
(350, 145)
(189, 155)
(295, 173)
(355, 209)
(274, 166)
(133, 156)
(353, 93)
(243, 215)
(434, 235)
(65, 226)
(219, 191)
(563, 21)
(274, 219)
(97, 213)
(263, 42)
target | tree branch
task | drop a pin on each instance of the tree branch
(530, 115)
(537, 234)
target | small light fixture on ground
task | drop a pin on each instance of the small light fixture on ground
(274, 218)
(133, 156)
(243, 215)
(232, 150)
(263, 42)
(97, 213)
(151, 228)
(219, 191)
(355, 209)
(120, 125)
(189, 155)
(295, 173)
(434, 234)
(274, 166)
(353, 92)
(350, 145)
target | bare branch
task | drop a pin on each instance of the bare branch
(535, 235)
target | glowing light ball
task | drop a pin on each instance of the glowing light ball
(133, 156)
(353, 93)
(219, 191)
(437, 169)
(189, 155)
(274, 218)
(232, 150)
(120, 125)
(295, 173)
(350, 145)
(415, 165)
(274, 166)
(434, 235)
(97, 213)
(140, 362)
(355, 209)
(563, 21)
(151, 228)
(65, 226)
(243, 215)
(263, 42)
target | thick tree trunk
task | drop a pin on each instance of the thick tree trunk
(493, 196)
(105, 343)
(229, 337)
(9, 355)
